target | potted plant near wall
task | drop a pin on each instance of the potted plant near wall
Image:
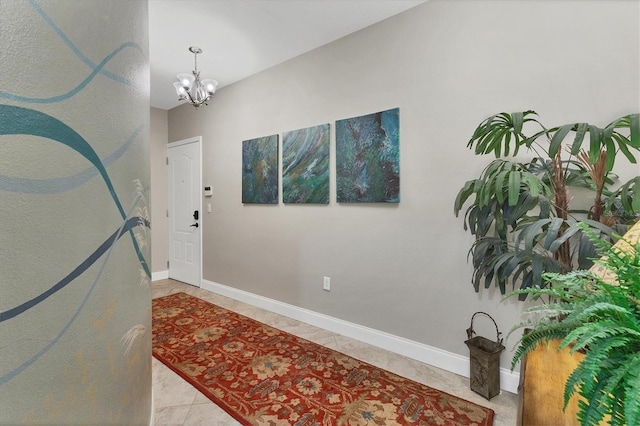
(524, 208)
(520, 211)
(596, 312)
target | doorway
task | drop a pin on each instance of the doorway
(185, 210)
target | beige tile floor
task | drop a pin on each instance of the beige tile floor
(176, 402)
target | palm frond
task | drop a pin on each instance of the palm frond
(495, 134)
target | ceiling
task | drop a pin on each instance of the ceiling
(240, 38)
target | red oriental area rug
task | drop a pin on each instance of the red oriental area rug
(264, 376)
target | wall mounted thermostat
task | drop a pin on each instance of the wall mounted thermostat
(208, 191)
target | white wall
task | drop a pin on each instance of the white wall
(403, 269)
(160, 226)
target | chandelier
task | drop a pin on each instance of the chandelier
(190, 87)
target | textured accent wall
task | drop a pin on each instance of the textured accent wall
(74, 225)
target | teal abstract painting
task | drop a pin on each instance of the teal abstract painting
(305, 164)
(368, 158)
(260, 170)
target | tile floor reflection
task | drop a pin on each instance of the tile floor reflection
(177, 403)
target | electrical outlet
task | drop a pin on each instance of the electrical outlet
(326, 283)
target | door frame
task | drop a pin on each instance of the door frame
(198, 140)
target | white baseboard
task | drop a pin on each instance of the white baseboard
(445, 360)
(160, 275)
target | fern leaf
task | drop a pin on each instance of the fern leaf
(632, 390)
(591, 413)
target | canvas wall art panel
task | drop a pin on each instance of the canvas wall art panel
(368, 158)
(260, 170)
(305, 165)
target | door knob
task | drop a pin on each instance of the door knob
(195, 224)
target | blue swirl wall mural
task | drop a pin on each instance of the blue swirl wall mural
(66, 183)
(74, 179)
(72, 92)
(24, 121)
(88, 62)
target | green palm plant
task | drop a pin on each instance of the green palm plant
(519, 211)
(600, 317)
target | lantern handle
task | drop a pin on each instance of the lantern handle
(471, 332)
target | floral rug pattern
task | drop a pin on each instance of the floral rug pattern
(264, 376)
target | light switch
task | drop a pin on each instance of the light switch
(208, 207)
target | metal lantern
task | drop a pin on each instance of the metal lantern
(484, 358)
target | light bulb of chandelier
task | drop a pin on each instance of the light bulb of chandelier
(209, 86)
(182, 93)
(186, 80)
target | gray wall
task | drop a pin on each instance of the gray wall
(159, 189)
(75, 311)
(447, 65)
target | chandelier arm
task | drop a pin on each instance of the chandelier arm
(188, 92)
(195, 102)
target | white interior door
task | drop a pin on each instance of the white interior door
(185, 211)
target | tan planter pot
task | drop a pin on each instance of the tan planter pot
(543, 374)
